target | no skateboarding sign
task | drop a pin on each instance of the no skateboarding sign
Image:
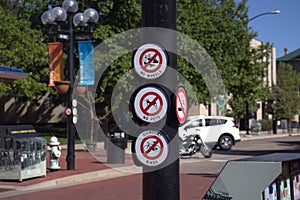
(151, 148)
(150, 104)
(150, 61)
(181, 105)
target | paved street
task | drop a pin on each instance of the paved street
(197, 174)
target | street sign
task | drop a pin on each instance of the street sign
(151, 148)
(68, 111)
(221, 102)
(150, 104)
(150, 61)
(181, 105)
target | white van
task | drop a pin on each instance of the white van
(214, 130)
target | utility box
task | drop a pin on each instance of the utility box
(266, 177)
(22, 153)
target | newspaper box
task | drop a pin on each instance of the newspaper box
(22, 153)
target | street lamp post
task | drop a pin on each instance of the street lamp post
(274, 12)
(54, 18)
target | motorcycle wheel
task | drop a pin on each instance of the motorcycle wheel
(205, 151)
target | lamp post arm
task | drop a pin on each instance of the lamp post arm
(258, 16)
(266, 13)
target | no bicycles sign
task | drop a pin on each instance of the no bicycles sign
(151, 148)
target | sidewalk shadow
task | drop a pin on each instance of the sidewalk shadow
(208, 175)
(253, 152)
(294, 147)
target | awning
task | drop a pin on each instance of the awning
(10, 74)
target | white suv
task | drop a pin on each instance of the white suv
(214, 130)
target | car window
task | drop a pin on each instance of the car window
(214, 122)
(222, 121)
(210, 122)
(196, 123)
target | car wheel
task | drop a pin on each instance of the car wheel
(225, 142)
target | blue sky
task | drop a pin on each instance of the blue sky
(281, 30)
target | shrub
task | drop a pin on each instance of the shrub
(266, 125)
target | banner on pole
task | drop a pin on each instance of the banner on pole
(55, 50)
(86, 62)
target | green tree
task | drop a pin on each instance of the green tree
(285, 101)
(21, 47)
(221, 27)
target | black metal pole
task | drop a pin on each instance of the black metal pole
(163, 183)
(247, 118)
(274, 124)
(70, 126)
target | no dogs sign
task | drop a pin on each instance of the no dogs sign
(150, 104)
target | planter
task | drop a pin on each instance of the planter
(80, 89)
(62, 87)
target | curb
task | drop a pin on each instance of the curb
(87, 177)
(260, 137)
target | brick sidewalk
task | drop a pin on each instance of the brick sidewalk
(84, 162)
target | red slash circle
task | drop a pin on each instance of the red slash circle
(153, 144)
(156, 54)
(181, 105)
(150, 103)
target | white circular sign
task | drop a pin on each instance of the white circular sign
(150, 104)
(150, 61)
(75, 119)
(74, 111)
(74, 102)
(181, 105)
(151, 148)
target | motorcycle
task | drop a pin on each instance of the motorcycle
(193, 144)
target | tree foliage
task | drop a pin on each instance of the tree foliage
(221, 27)
(21, 47)
(285, 101)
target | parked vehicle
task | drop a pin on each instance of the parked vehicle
(193, 144)
(215, 131)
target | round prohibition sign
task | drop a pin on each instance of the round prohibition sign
(150, 61)
(68, 111)
(150, 104)
(181, 105)
(151, 148)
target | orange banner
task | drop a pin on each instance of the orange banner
(56, 62)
